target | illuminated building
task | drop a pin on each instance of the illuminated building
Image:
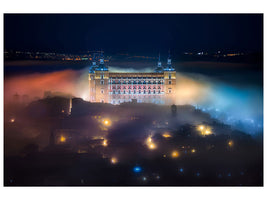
(120, 87)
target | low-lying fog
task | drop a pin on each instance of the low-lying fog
(231, 92)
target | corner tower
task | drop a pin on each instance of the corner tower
(99, 81)
(169, 82)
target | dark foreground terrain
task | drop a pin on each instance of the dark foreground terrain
(50, 143)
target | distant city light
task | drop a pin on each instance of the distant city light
(12, 120)
(181, 170)
(105, 143)
(106, 122)
(193, 150)
(150, 143)
(175, 154)
(167, 135)
(62, 139)
(204, 130)
(152, 146)
(201, 127)
(230, 143)
(207, 132)
(149, 139)
(114, 160)
(137, 169)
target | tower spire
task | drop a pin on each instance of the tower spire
(159, 67)
(169, 61)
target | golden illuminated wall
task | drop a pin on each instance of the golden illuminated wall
(98, 86)
(101, 87)
(170, 87)
(92, 94)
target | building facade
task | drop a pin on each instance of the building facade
(118, 87)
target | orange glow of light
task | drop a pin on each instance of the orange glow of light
(149, 139)
(166, 135)
(201, 127)
(106, 122)
(230, 143)
(62, 138)
(149, 143)
(208, 132)
(204, 130)
(152, 146)
(12, 120)
(193, 150)
(114, 160)
(175, 154)
(105, 143)
(34, 85)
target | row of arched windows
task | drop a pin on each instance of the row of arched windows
(137, 82)
(134, 87)
(137, 92)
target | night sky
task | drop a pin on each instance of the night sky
(139, 33)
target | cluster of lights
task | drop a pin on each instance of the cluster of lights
(204, 130)
(150, 143)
